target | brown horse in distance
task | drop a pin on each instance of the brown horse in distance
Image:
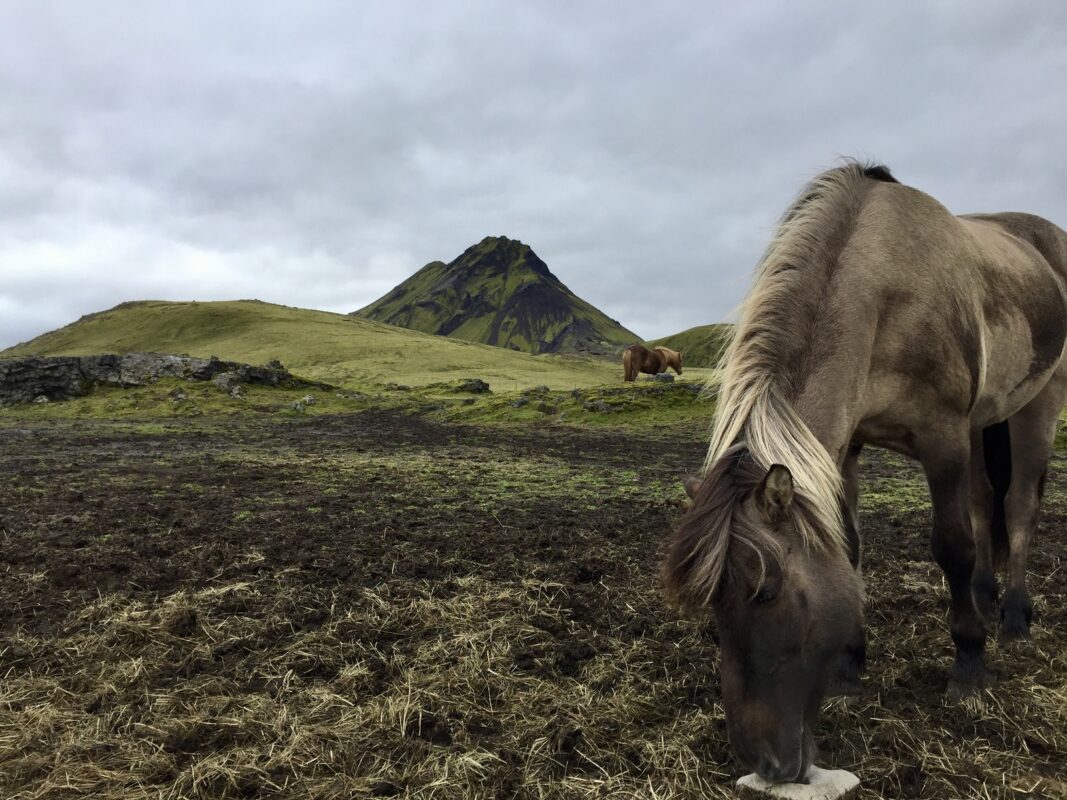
(637, 358)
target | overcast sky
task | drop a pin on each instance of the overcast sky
(316, 154)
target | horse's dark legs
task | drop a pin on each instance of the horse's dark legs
(984, 580)
(948, 473)
(1032, 432)
(848, 680)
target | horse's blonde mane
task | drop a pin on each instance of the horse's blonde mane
(672, 358)
(754, 404)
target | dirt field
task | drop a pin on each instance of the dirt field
(376, 605)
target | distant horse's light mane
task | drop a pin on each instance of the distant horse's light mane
(754, 408)
(671, 358)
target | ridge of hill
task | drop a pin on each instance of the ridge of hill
(318, 345)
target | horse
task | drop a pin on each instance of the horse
(875, 317)
(637, 358)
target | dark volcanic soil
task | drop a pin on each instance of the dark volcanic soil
(144, 514)
(377, 605)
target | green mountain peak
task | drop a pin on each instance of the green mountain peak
(499, 292)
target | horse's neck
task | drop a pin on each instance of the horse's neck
(830, 399)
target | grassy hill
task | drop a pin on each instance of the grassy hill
(701, 346)
(336, 348)
(499, 292)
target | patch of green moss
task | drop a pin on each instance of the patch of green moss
(643, 404)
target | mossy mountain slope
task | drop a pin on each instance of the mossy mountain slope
(335, 348)
(499, 292)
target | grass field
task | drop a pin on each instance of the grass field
(421, 591)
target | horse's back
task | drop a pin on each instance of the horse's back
(1047, 238)
(977, 303)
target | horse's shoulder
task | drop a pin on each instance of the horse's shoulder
(1048, 238)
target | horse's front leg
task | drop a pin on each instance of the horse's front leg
(848, 679)
(948, 474)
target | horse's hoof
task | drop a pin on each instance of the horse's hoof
(969, 680)
(841, 686)
(1016, 614)
(1012, 631)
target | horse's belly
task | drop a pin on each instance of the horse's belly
(1015, 367)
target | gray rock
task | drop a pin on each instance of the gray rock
(40, 399)
(598, 405)
(473, 386)
(227, 382)
(24, 379)
(308, 400)
(520, 401)
(663, 377)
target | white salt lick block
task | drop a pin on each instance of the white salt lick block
(823, 784)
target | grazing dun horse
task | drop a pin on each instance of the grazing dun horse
(875, 317)
(636, 359)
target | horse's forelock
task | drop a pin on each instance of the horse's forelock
(696, 560)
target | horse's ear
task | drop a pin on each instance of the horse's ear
(775, 494)
(691, 484)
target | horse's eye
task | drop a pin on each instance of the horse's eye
(766, 594)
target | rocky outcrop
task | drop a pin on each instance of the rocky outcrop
(24, 380)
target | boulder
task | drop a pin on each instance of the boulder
(473, 386)
(228, 382)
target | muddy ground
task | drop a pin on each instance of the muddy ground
(380, 605)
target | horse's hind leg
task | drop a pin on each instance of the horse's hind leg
(1032, 432)
(990, 477)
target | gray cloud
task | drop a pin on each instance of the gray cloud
(316, 155)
